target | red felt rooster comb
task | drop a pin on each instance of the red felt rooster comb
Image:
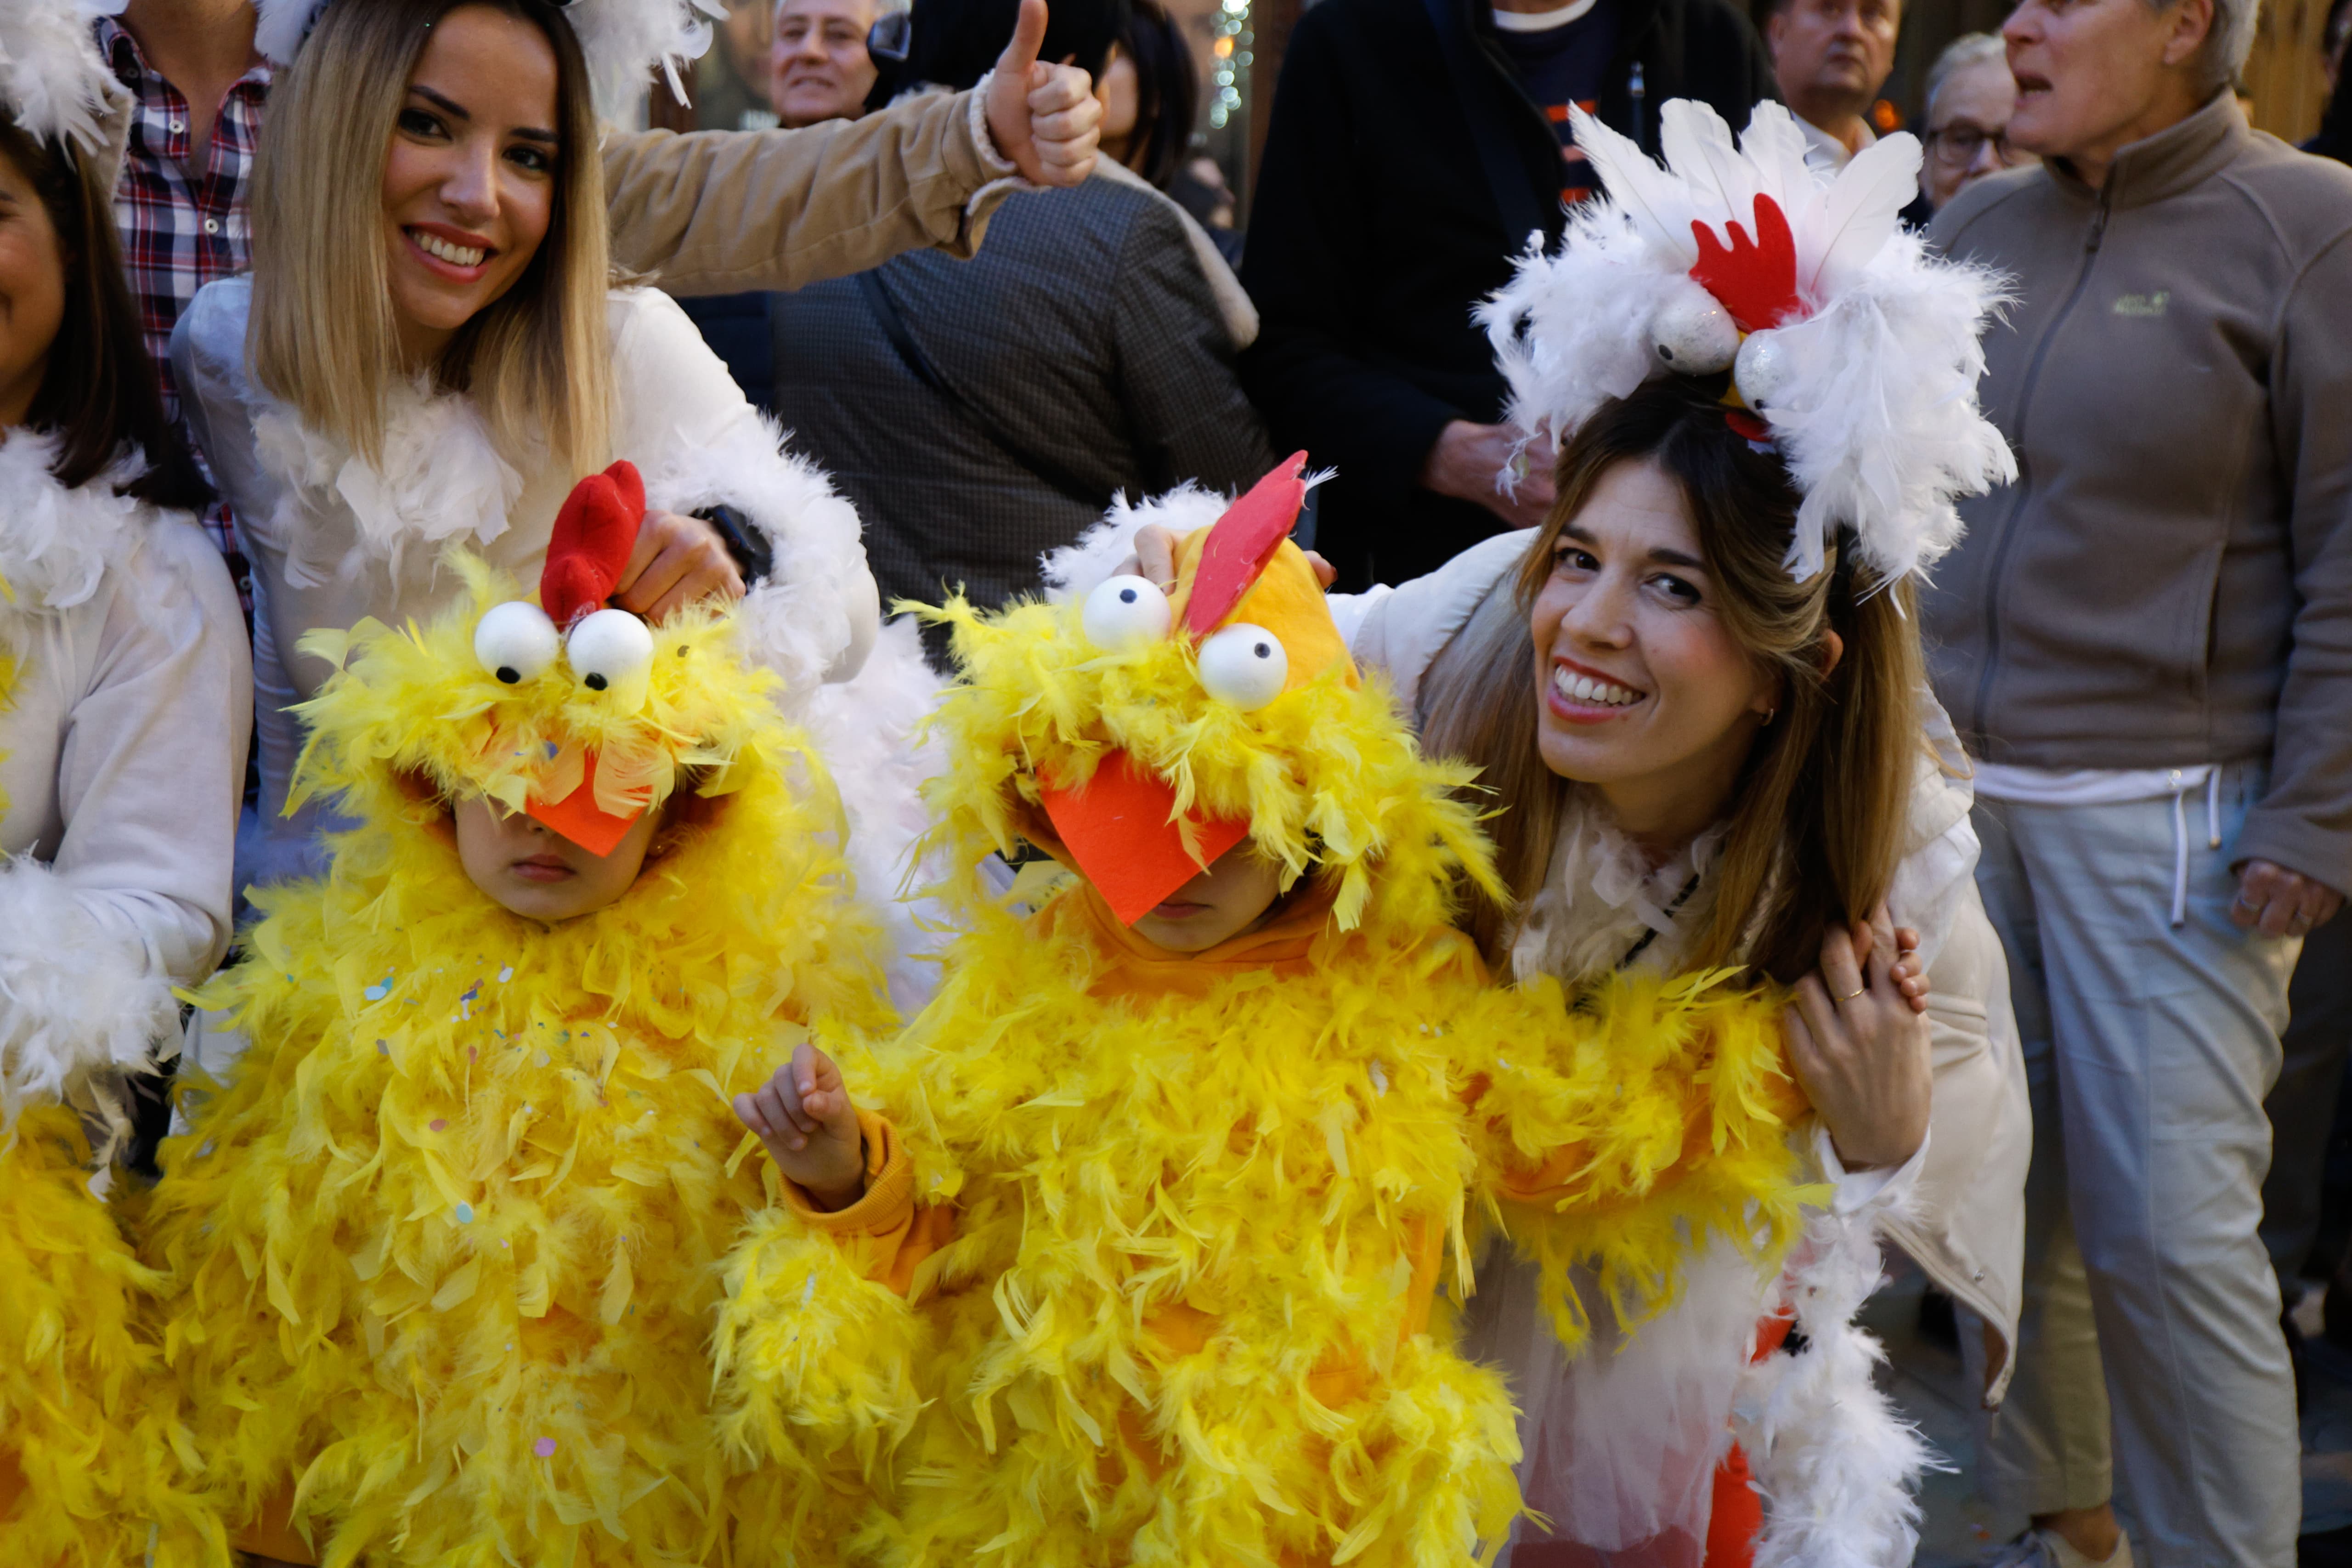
(590, 546)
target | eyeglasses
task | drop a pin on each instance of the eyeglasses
(1959, 144)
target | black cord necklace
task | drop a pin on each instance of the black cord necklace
(1651, 935)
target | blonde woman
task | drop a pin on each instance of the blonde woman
(433, 356)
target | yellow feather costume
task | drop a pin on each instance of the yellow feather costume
(1145, 1267)
(445, 1247)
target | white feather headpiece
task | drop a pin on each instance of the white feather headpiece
(624, 39)
(55, 83)
(1851, 349)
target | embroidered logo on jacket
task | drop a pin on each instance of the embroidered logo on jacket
(2143, 304)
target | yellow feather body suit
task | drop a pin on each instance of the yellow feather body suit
(1145, 1269)
(446, 1245)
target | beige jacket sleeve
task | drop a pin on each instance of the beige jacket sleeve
(723, 212)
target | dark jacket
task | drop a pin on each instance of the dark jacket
(2169, 580)
(1086, 357)
(1404, 169)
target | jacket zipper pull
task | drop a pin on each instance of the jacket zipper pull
(1640, 91)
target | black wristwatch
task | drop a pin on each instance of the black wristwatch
(747, 544)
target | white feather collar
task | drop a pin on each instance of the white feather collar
(55, 543)
(442, 479)
(1603, 900)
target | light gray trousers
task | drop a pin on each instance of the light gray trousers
(2150, 1349)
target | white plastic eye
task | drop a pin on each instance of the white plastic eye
(611, 652)
(515, 641)
(1692, 335)
(1244, 665)
(1124, 613)
(1764, 372)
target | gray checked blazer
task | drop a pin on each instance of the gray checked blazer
(1085, 328)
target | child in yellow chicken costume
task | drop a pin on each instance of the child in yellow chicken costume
(1133, 1255)
(447, 1244)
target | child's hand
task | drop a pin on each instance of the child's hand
(804, 1118)
(1909, 974)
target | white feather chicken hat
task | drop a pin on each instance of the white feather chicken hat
(1850, 348)
(622, 39)
(55, 84)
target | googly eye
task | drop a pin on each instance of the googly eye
(515, 641)
(1244, 665)
(1692, 334)
(1126, 612)
(611, 652)
(1764, 372)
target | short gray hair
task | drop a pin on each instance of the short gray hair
(1968, 50)
(2228, 41)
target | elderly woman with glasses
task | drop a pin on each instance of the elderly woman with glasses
(2147, 642)
(1971, 97)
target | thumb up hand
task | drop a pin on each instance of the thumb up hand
(1045, 118)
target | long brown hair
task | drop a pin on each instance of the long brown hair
(538, 361)
(1818, 815)
(98, 392)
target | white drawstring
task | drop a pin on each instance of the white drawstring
(2180, 834)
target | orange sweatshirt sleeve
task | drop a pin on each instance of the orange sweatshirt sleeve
(886, 1233)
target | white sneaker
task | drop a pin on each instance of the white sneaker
(2048, 1549)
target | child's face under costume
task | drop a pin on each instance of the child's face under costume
(1224, 901)
(536, 872)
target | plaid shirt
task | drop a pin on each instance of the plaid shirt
(180, 231)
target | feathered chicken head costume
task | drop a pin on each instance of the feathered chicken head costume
(1834, 334)
(575, 712)
(1139, 734)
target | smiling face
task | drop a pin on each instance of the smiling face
(32, 291)
(469, 179)
(530, 869)
(1645, 694)
(2094, 75)
(820, 68)
(1224, 902)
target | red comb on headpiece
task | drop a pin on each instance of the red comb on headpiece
(590, 546)
(1241, 541)
(1756, 279)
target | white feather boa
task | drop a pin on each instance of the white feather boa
(75, 997)
(55, 543)
(1838, 1467)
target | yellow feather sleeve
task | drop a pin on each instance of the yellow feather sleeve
(1618, 1130)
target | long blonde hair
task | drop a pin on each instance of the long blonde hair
(537, 363)
(1818, 815)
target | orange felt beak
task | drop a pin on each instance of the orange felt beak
(578, 817)
(1121, 829)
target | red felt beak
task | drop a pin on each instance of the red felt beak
(1121, 827)
(578, 817)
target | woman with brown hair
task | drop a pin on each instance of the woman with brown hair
(123, 693)
(1697, 696)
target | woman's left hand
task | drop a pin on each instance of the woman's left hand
(679, 561)
(1860, 1050)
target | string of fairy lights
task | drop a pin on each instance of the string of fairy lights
(1232, 55)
